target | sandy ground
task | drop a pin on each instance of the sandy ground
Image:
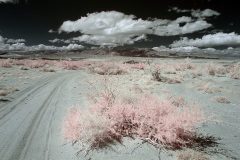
(31, 117)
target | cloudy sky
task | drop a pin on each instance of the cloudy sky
(131, 23)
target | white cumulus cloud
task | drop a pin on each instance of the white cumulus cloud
(205, 13)
(108, 23)
(6, 40)
(218, 39)
(100, 39)
(16, 44)
(174, 28)
(40, 47)
(56, 40)
(1, 39)
(197, 13)
(118, 28)
(15, 40)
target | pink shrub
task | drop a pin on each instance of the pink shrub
(89, 128)
(188, 64)
(157, 66)
(18, 62)
(178, 101)
(180, 67)
(69, 65)
(141, 66)
(221, 99)
(36, 63)
(221, 70)
(72, 65)
(108, 68)
(72, 124)
(206, 88)
(6, 63)
(211, 69)
(235, 71)
(153, 120)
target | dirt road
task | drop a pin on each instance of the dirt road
(30, 126)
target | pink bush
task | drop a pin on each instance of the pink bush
(186, 65)
(141, 66)
(235, 71)
(72, 124)
(18, 62)
(72, 65)
(211, 69)
(89, 128)
(69, 65)
(6, 63)
(153, 120)
(37, 64)
(108, 68)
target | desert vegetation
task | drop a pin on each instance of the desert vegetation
(165, 123)
(104, 68)
(220, 99)
(157, 76)
(109, 116)
(7, 91)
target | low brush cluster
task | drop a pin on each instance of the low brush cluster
(158, 122)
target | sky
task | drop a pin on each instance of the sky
(61, 24)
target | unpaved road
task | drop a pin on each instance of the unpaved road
(30, 125)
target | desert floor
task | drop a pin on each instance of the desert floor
(34, 102)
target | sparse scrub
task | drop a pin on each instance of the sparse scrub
(210, 69)
(180, 67)
(5, 92)
(170, 70)
(188, 64)
(69, 65)
(36, 63)
(141, 66)
(157, 76)
(18, 62)
(235, 71)
(157, 66)
(178, 101)
(90, 128)
(221, 99)
(5, 63)
(196, 74)
(108, 69)
(110, 118)
(206, 88)
(221, 70)
(24, 68)
(47, 70)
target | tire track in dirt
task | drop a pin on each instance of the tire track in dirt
(24, 95)
(19, 146)
(22, 151)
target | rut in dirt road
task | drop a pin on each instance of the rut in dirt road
(30, 126)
